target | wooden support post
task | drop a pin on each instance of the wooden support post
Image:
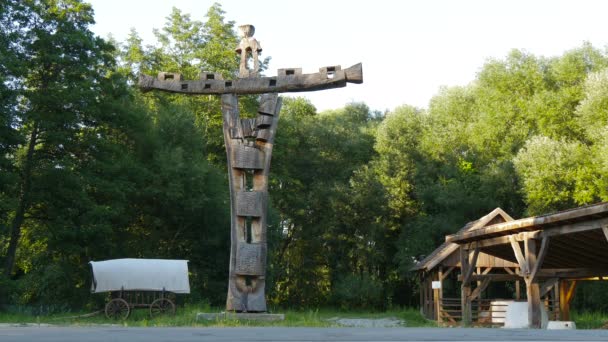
(424, 297)
(467, 267)
(517, 290)
(439, 300)
(420, 289)
(436, 312)
(532, 286)
(427, 301)
(566, 293)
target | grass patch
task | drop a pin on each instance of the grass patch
(186, 317)
(589, 320)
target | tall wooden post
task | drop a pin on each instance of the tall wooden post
(249, 145)
(465, 293)
(421, 290)
(248, 167)
(532, 286)
(439, 299)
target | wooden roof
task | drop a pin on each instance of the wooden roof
(577, 244)
(448, 248)
(567, 219)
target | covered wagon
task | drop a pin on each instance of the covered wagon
(140, 283)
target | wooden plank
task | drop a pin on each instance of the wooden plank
(493, 277)
(506, 239)
(523, 265)
(544, 246)
(589, 246)
(257, 85)
(567, 257)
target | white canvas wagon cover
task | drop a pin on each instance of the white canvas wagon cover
(140, 274)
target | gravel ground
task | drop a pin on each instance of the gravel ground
(368, 322)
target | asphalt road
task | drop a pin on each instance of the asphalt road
(106, 334)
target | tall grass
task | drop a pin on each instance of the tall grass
(590, 319)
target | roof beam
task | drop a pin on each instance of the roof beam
(531, 223)
(575, 227)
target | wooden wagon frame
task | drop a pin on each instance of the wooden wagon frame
(139, 283)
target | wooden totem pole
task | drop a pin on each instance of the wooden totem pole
(249, 149)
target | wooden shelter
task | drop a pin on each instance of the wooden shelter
(552, 251)
(445, 260)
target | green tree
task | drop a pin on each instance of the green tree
(556, 175)
(62, 77)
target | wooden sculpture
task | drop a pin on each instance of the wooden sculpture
(249, 149)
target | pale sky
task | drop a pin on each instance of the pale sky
(408, 48)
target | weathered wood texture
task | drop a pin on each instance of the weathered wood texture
(326, 78)
(250, 203)
(246, 290)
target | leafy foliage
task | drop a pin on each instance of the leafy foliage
(91, 168)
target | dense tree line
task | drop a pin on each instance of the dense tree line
(91, 168)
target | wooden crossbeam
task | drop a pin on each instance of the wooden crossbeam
(523, 265)
(506, 239)
(471, 267)
(547, 286)
(494, 277)
(477, 292)
(544, 246)
(605, 230)
(570, 291)
(447, 272)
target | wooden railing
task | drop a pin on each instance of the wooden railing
(486, 311)
(483, 311)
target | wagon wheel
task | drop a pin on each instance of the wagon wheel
(117, 308)
(162, 306)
